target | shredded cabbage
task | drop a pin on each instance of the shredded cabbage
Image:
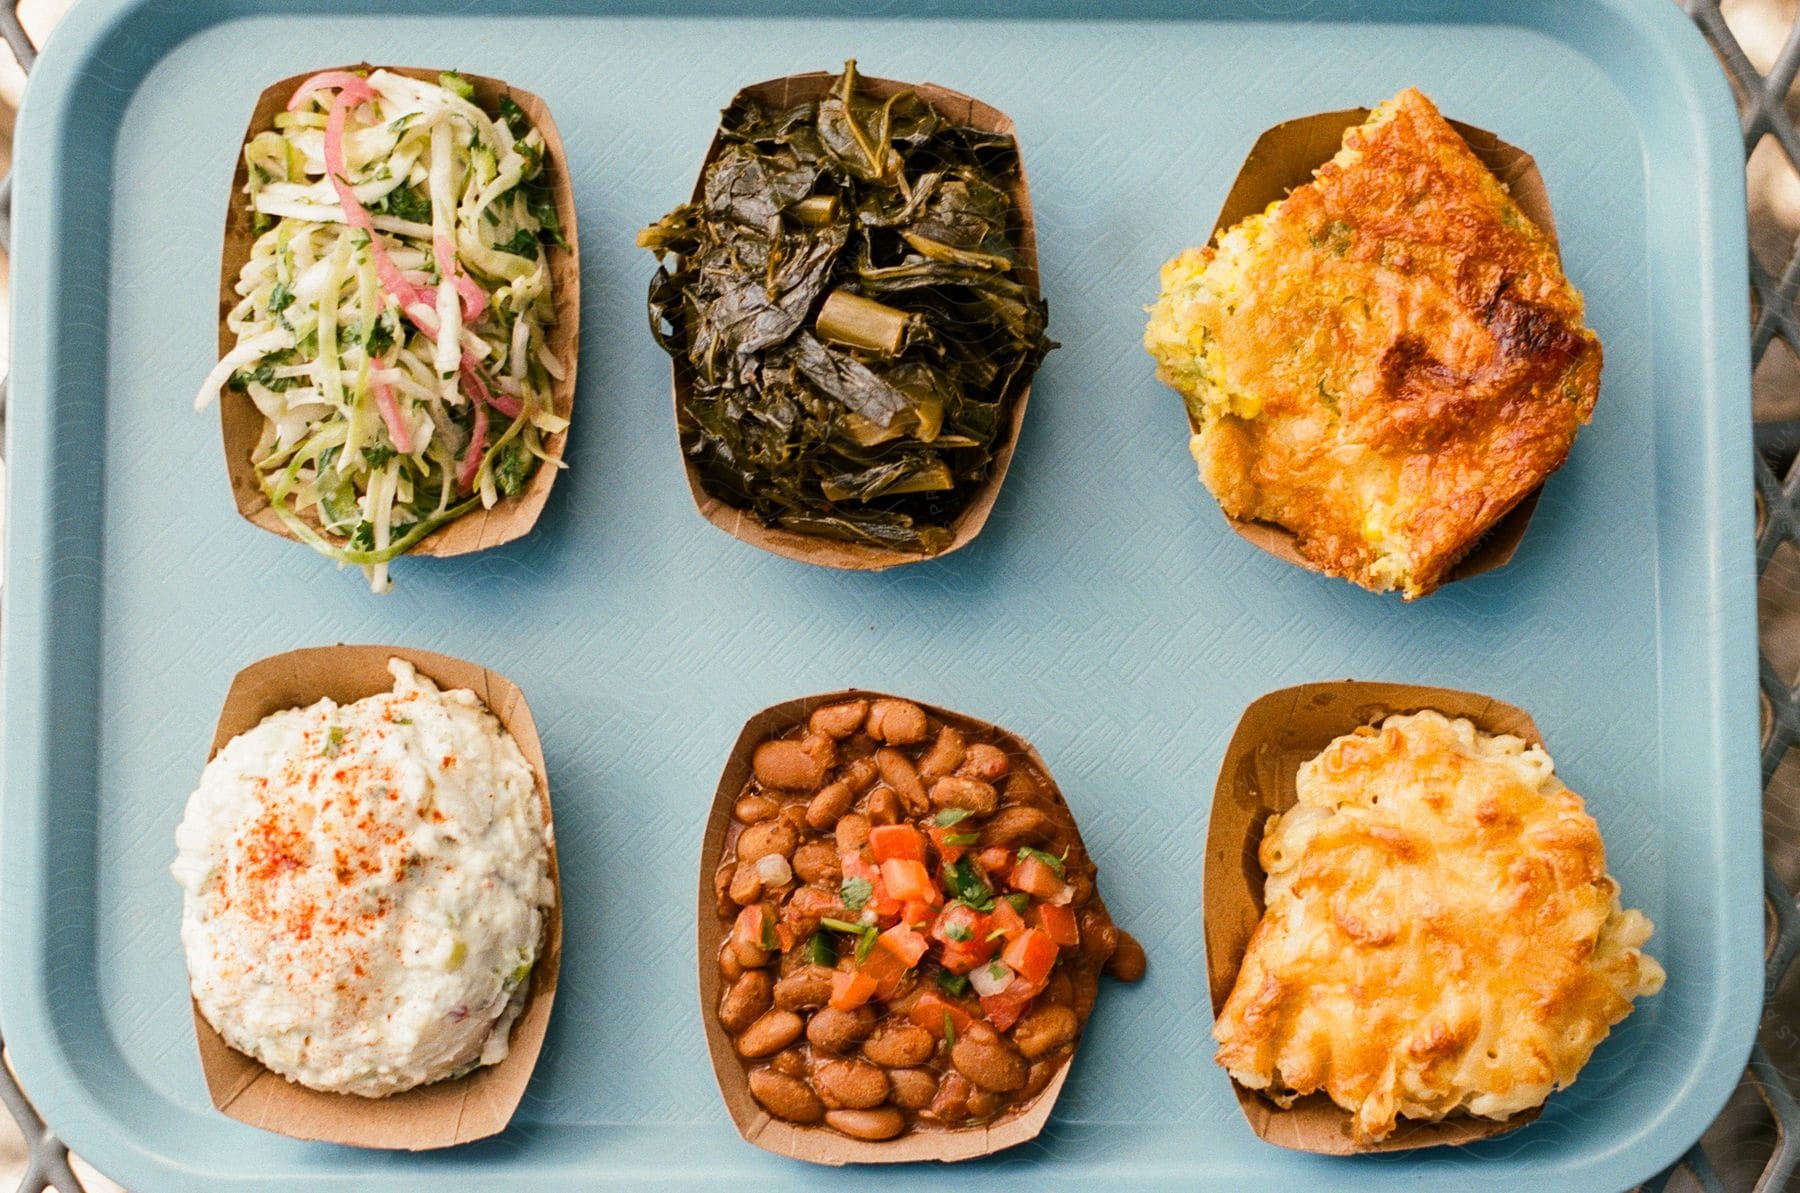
(391, 322)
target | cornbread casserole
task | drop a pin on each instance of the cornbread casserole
(1386, 361)
(1440, 932)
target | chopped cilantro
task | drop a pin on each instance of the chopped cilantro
(1019, 900)
(962, 838)
(959, 932)
(855, 893)
(334, 741)
(406, 203)
(379, 340)
(962, 881)
(524, 243)
(953, 984)
(378, 456)
(514, 116)
(950, 816)
(280, 298)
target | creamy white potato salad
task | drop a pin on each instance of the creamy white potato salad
(367, 887)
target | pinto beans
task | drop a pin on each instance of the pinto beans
(883, 1122)
(1019, 824)
(951, 1102)
(971, 795)
(804, 989)
(745, 1000)
(883, 806)
(850, 1084)
(1127, 964)
(792, 1061)
(772, 1031)
(839, 720)
(899, 1045)
(897, 722)
(760, 840)
(787, 765)
(1099, 936)
(1043, 1030)
(991, 1065)
(852, 831)
(832, 1030)
(816, 794)
(817, 862)
(912, 1089)
(785, 1097)
(746, 886)
(945, 755)
(833, 800)
(898, 772)
(860, 773)
(752, 809)
(984, 762)
(722, 889)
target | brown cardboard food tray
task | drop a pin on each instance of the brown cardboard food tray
(429, 1116)
(866, 557)
(818, 1144)
(241, 423)
(1285, 157)
(1276, 734)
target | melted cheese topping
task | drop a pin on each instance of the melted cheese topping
(1386, 361)
(1440, 932)
(366, 888)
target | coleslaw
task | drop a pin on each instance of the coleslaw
(392, 316)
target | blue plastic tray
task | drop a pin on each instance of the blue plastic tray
(1106, 613)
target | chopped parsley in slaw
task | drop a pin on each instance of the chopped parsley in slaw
(392, 315)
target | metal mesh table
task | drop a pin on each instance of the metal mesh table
(1756, 1142)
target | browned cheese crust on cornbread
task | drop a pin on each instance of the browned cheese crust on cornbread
(1386, 361)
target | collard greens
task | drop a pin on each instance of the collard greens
(845, 305)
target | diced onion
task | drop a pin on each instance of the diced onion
(774, 870)
(990, 979)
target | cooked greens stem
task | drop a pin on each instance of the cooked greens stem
(858, 322)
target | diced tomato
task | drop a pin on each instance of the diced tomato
(896, 842)
(964, 958)
(1059, 925)
(931, 1010)
(1034, 877)
(904, 943)
(940, 837)
(1007, 919)
(996, 860)
(1031, 956)
(916, 913)
(850, 989)
(961, 920)
(886, 969)
(958, 924)
(909, 880)
(1008, 1007)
